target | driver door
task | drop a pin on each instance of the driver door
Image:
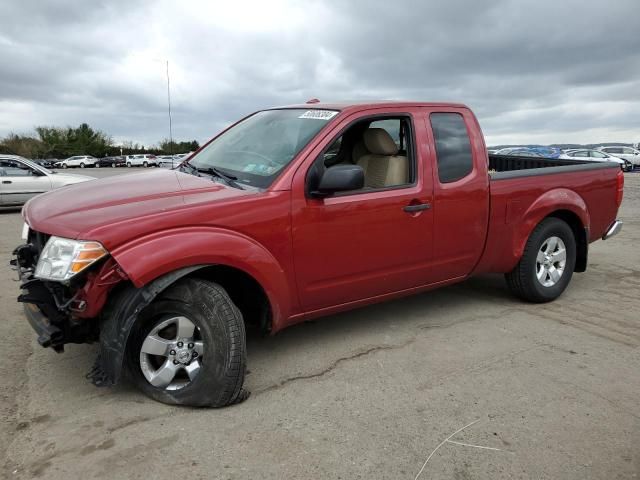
(362, 244)
(20, 182)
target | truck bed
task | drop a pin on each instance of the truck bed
(512, 166)
(520, 185)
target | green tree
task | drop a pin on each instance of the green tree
(66, 142)
(22, 145)
(174, 147)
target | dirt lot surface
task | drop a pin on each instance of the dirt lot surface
(553, 389)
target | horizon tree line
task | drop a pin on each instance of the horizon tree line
(64, 142)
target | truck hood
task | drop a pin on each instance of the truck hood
(79, 210)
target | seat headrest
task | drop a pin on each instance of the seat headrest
(379, 142)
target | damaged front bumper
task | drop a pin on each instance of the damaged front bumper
(49, 335)
(49, 306)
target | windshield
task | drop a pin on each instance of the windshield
(258, 148)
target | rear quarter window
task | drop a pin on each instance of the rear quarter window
(453, 147)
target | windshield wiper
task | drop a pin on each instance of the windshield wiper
(191, 167)
(216, 172)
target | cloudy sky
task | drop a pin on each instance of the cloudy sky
(538, 71)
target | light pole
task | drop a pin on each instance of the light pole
(169, 104)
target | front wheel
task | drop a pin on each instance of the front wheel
(145, 164)
(113, 165)
(129, 164)
(547, 264)
(81, 165)
(97, 165)
(188, 347)
(64, 165)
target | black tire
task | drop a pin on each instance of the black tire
(129, 164)
(145, 164)
(97, 165)
(113, 165)
(221, 329)
(81, 165)
(523, 281)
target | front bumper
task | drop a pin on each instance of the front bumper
(48, 335)
(46, 306)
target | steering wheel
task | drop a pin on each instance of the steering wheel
(259, 155)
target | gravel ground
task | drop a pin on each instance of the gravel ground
(553, 389)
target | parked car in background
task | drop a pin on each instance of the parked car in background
(166, 161)
(596, 156)
(626, 153)
(141, 160)
(21, 179)
(45, 162)
(518, 152)
(81, 161)
(172, 161)
(115, 161)
(548, 152)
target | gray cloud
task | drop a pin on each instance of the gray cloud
(541, 71)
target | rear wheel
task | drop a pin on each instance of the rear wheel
(145, 164)
(547, 264)
(113, 165)
(97, 165)
(189, 347)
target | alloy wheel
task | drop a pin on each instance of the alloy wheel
(171, 354)
(550, 261)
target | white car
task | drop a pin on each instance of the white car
(81, 161)
(172, 161)
(626, 153)
(595, 156)
(141, 160)
(21, 179)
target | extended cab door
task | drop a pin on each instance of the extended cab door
(461, 191)
(368, 242)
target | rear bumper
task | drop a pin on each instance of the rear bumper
(613, 230)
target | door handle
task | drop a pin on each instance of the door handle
(417, 208)
(6, 182)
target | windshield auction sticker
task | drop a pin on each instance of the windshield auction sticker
(319, 114)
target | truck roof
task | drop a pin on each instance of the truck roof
(365, 104)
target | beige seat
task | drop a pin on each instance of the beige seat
(358, 151)
(382, 167)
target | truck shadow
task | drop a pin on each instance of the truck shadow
(311, 347)
(303, 349)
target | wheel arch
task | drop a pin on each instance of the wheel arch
(252, 277)
(220, 251)
(565, 205)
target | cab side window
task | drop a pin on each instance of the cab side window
(453, 148)
(382, 147)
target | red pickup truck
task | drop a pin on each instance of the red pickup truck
(289, 214)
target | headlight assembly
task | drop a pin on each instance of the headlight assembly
(63, 258)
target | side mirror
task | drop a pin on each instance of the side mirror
(339, 178)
